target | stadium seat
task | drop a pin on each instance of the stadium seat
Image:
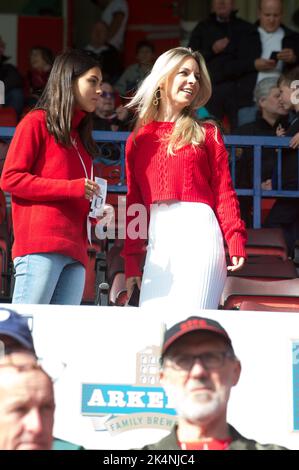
(266, 267)
(266, 205)
(250, 306)
(266, 241)
(8, 117)
(275, 293)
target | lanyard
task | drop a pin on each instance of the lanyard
(74, 143)
(88, 223)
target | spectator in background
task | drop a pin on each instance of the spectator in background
(271, 114)
(115, 15)
(41, 61)
(198, 370)
(13, 83)
(255, 60)
(107, 54)
(135, 73)
(106, 116)
(285, 212)
(216, 38)
(34, 391)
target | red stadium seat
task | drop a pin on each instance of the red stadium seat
(275, 293)
(266, 241)
(266, 267)
(8, 117)
(254, 306)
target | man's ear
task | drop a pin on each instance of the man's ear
(236, 372)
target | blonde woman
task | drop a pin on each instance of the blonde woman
(177, 167)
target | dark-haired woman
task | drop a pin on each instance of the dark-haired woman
(48, 171)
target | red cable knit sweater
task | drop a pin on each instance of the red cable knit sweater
(46, 180)
(193, 174)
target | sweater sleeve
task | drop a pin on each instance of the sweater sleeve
(18, 176)
(226, 201)
(134, 248)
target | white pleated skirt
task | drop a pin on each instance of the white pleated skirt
(185, 265)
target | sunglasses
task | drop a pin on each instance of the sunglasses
(107, 94)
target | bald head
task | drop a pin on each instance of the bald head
(270, 14)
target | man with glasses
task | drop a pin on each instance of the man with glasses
(198, 370)
(106, 116)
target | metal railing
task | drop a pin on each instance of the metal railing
(257, 144)
(256, 192)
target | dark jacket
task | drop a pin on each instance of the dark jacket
(210, 30)
(289, 160)
(9, 75)
(249, 48)
(244, 167)
(239, 442)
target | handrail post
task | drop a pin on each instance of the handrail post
(257, 189)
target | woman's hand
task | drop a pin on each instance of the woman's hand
(91, 188)
(130, 283)
(237, 263)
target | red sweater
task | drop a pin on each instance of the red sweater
(198, 174)
(46, 180)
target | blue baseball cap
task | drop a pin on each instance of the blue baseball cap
(16, 326)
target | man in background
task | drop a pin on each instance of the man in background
(217, 38)
(27, 402)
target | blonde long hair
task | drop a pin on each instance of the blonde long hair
(187, 129)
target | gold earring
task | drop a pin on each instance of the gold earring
(156, 97)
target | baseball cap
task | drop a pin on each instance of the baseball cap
(16, 326)
(193, 324)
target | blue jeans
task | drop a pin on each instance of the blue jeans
(48, 278)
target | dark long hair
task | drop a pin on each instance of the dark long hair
(58, 98)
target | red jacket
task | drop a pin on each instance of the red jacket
(46, 181)
(193, 174)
